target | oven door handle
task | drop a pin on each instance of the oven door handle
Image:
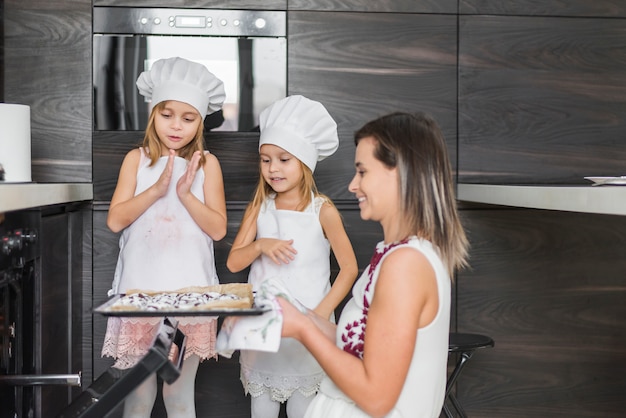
(41, 380)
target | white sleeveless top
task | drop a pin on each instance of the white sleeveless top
(164, 249)
(423, 392)
(307, 278)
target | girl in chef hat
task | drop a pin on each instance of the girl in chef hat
(287, 232)
(169, 205)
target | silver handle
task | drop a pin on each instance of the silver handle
(41, 380)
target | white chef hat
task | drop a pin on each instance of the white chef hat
(185, 81)
(300, 126)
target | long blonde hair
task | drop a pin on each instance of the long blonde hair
(306, 188)
(415, 145)
(152, 144)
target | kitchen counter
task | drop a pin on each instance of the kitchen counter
(609, 200)
(17, 196)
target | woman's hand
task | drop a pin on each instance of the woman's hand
(293, 320)
(279, 251)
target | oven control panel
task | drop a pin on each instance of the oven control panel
(208, 22)
(16, 240)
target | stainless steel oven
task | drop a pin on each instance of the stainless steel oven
(246, 49)
(21, 378)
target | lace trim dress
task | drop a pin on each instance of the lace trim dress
(164, 249)
(307, 279)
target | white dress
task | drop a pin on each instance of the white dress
(164, 249)
(423, 392)
(307, 278)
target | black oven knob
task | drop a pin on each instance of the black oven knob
(16, 240)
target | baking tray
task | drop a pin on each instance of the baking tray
(104, 309)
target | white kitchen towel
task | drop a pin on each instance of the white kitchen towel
(258, 332)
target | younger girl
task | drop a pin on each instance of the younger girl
(169, 204)
(287, 232)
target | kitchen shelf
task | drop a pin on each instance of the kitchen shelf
(608, 200)
(17, 196)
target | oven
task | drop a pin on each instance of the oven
(21, 379)
(18, 243)
(246, 49)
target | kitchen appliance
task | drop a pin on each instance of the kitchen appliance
(165, 358)
(20, 327)
(246, 49)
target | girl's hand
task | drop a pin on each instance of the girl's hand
(183, 187)
(163, 183)
(280, 251)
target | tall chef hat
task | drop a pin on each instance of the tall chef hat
(300, 126)
(185, 81)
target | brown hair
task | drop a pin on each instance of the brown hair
(414, 144)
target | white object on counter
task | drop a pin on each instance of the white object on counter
(15, 142)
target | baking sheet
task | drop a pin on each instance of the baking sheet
(105, 309)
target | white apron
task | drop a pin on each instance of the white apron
(307, 278)
(164, 249)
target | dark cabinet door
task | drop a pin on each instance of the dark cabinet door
(55, 312)
(62, 317)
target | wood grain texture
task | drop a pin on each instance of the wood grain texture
(544, 104)
(583, 8)
(363, 65)
(387, 6)
(549, 288)
(47, 66)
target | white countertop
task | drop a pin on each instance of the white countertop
(16, 196)
(609, 200)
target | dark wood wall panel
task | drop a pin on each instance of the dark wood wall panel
(546, 103)
(48, 67)
(388, 6)
(363, 65)
(237, 152)
(215, 4)
(585, 8)
(549, 288)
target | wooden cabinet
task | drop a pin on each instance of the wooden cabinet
(64, 320)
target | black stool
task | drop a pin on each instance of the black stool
(465, 345)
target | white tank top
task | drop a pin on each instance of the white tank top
(164, 249)
(423, 391)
